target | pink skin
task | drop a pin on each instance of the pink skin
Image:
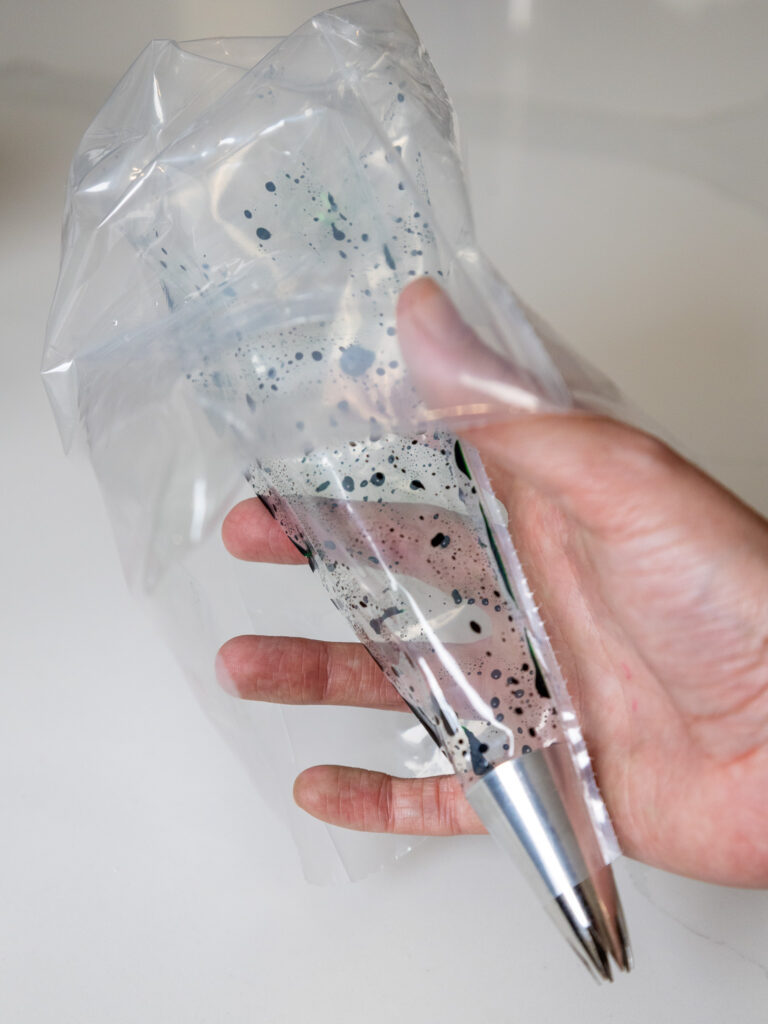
(653, 582)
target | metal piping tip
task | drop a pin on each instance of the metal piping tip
(583, 938)
(599, 895)
(590, 917)
(535, 809)
(623, 954)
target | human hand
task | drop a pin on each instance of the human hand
(653, 583)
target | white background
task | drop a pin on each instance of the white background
(616, 156)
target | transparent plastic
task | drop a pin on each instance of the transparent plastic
(242, 217)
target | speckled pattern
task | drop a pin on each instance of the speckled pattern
(418, 575)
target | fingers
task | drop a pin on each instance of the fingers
(250, 532)
(290, 670)
(375, 802)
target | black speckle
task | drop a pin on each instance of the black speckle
(541, 686)
(263, 234)
(475, 626)
(440, 540)
(348, 483)
(377, 479)
(417, 485)
(388, 258)
(476, 751)
(461, 462)
(269, 509)
(376, 624)
(526, 749)
(355, 360)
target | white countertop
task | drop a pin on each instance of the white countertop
(141, 876)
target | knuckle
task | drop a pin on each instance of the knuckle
(318, 673)
(645, 453)
(384, 806)
(445, 805)
(306, 672)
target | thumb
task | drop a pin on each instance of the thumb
(588, 463)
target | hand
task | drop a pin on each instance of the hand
(653, 583)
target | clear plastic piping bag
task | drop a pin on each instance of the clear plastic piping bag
(242, 217)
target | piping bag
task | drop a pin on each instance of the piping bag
(237, 235)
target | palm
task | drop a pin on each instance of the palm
(655, 610)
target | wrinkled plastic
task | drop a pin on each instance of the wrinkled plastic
(240, 224)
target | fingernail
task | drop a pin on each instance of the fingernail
(224, 676)
(426, 308)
